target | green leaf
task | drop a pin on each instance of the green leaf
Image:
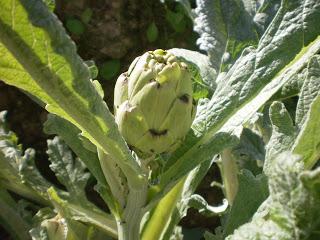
(69, 171)
(46, 65)
(177, 20)
(307, 143)
(13, 162)
(51, 4)
(86, 214)
(86, 15)
(187, 7)
(110, 69)
(225, 29)
(310, 90)
(163, 221)
(152, 32)
(292, 210)
(199, 64)
(93, 69)
(251, 193)
(292, 87)
(31, 176)
(254, 78)
(250, 152)
(283, 133)
(10, 218)
(70, 134)
(75, 26)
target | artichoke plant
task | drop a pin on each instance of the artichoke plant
(153, 103)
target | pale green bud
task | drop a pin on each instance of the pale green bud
(153, 103)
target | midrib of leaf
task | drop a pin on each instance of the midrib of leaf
(88, 111)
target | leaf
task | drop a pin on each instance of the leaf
(254, 78)
(87, 214)
(253, 190)
(152, 32)
(226, 28)
(110, 69)
(309, 91)
(93, 69)
(163, 220)
(86, 15)
(31, 176)
(198, 202)
(46, 65)
(10, 218)
(75, 26)
(292, 87)
(201, 62)
(69, 171)
(70, 134)
(284, 214)
(12, 164)
(176, 20)
(307, 143)
(283, 133)
(250, 152)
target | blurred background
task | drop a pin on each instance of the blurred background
(112, 33)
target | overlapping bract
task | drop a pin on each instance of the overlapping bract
(153, 103)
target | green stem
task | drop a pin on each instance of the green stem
(161, 215)
(129, 222)
(114, 177)
(229, 173)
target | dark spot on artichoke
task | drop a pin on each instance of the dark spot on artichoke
(155, 132)
(158, 85)
(152, 80)
(194, 101)
(152, 150)
(184, 98)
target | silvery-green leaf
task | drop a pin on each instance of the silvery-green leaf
(45, 64)
(11, 219)
(292, 210)
(283, 133)
(69, 171)
(245, 205)
(14, 162)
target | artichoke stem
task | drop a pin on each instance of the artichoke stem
(129, 222)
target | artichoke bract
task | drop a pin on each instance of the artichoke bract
(153, 103)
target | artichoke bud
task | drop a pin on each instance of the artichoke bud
(153, 103)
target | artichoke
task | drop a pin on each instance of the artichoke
(153, 103)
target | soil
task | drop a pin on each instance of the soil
(115, 31)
